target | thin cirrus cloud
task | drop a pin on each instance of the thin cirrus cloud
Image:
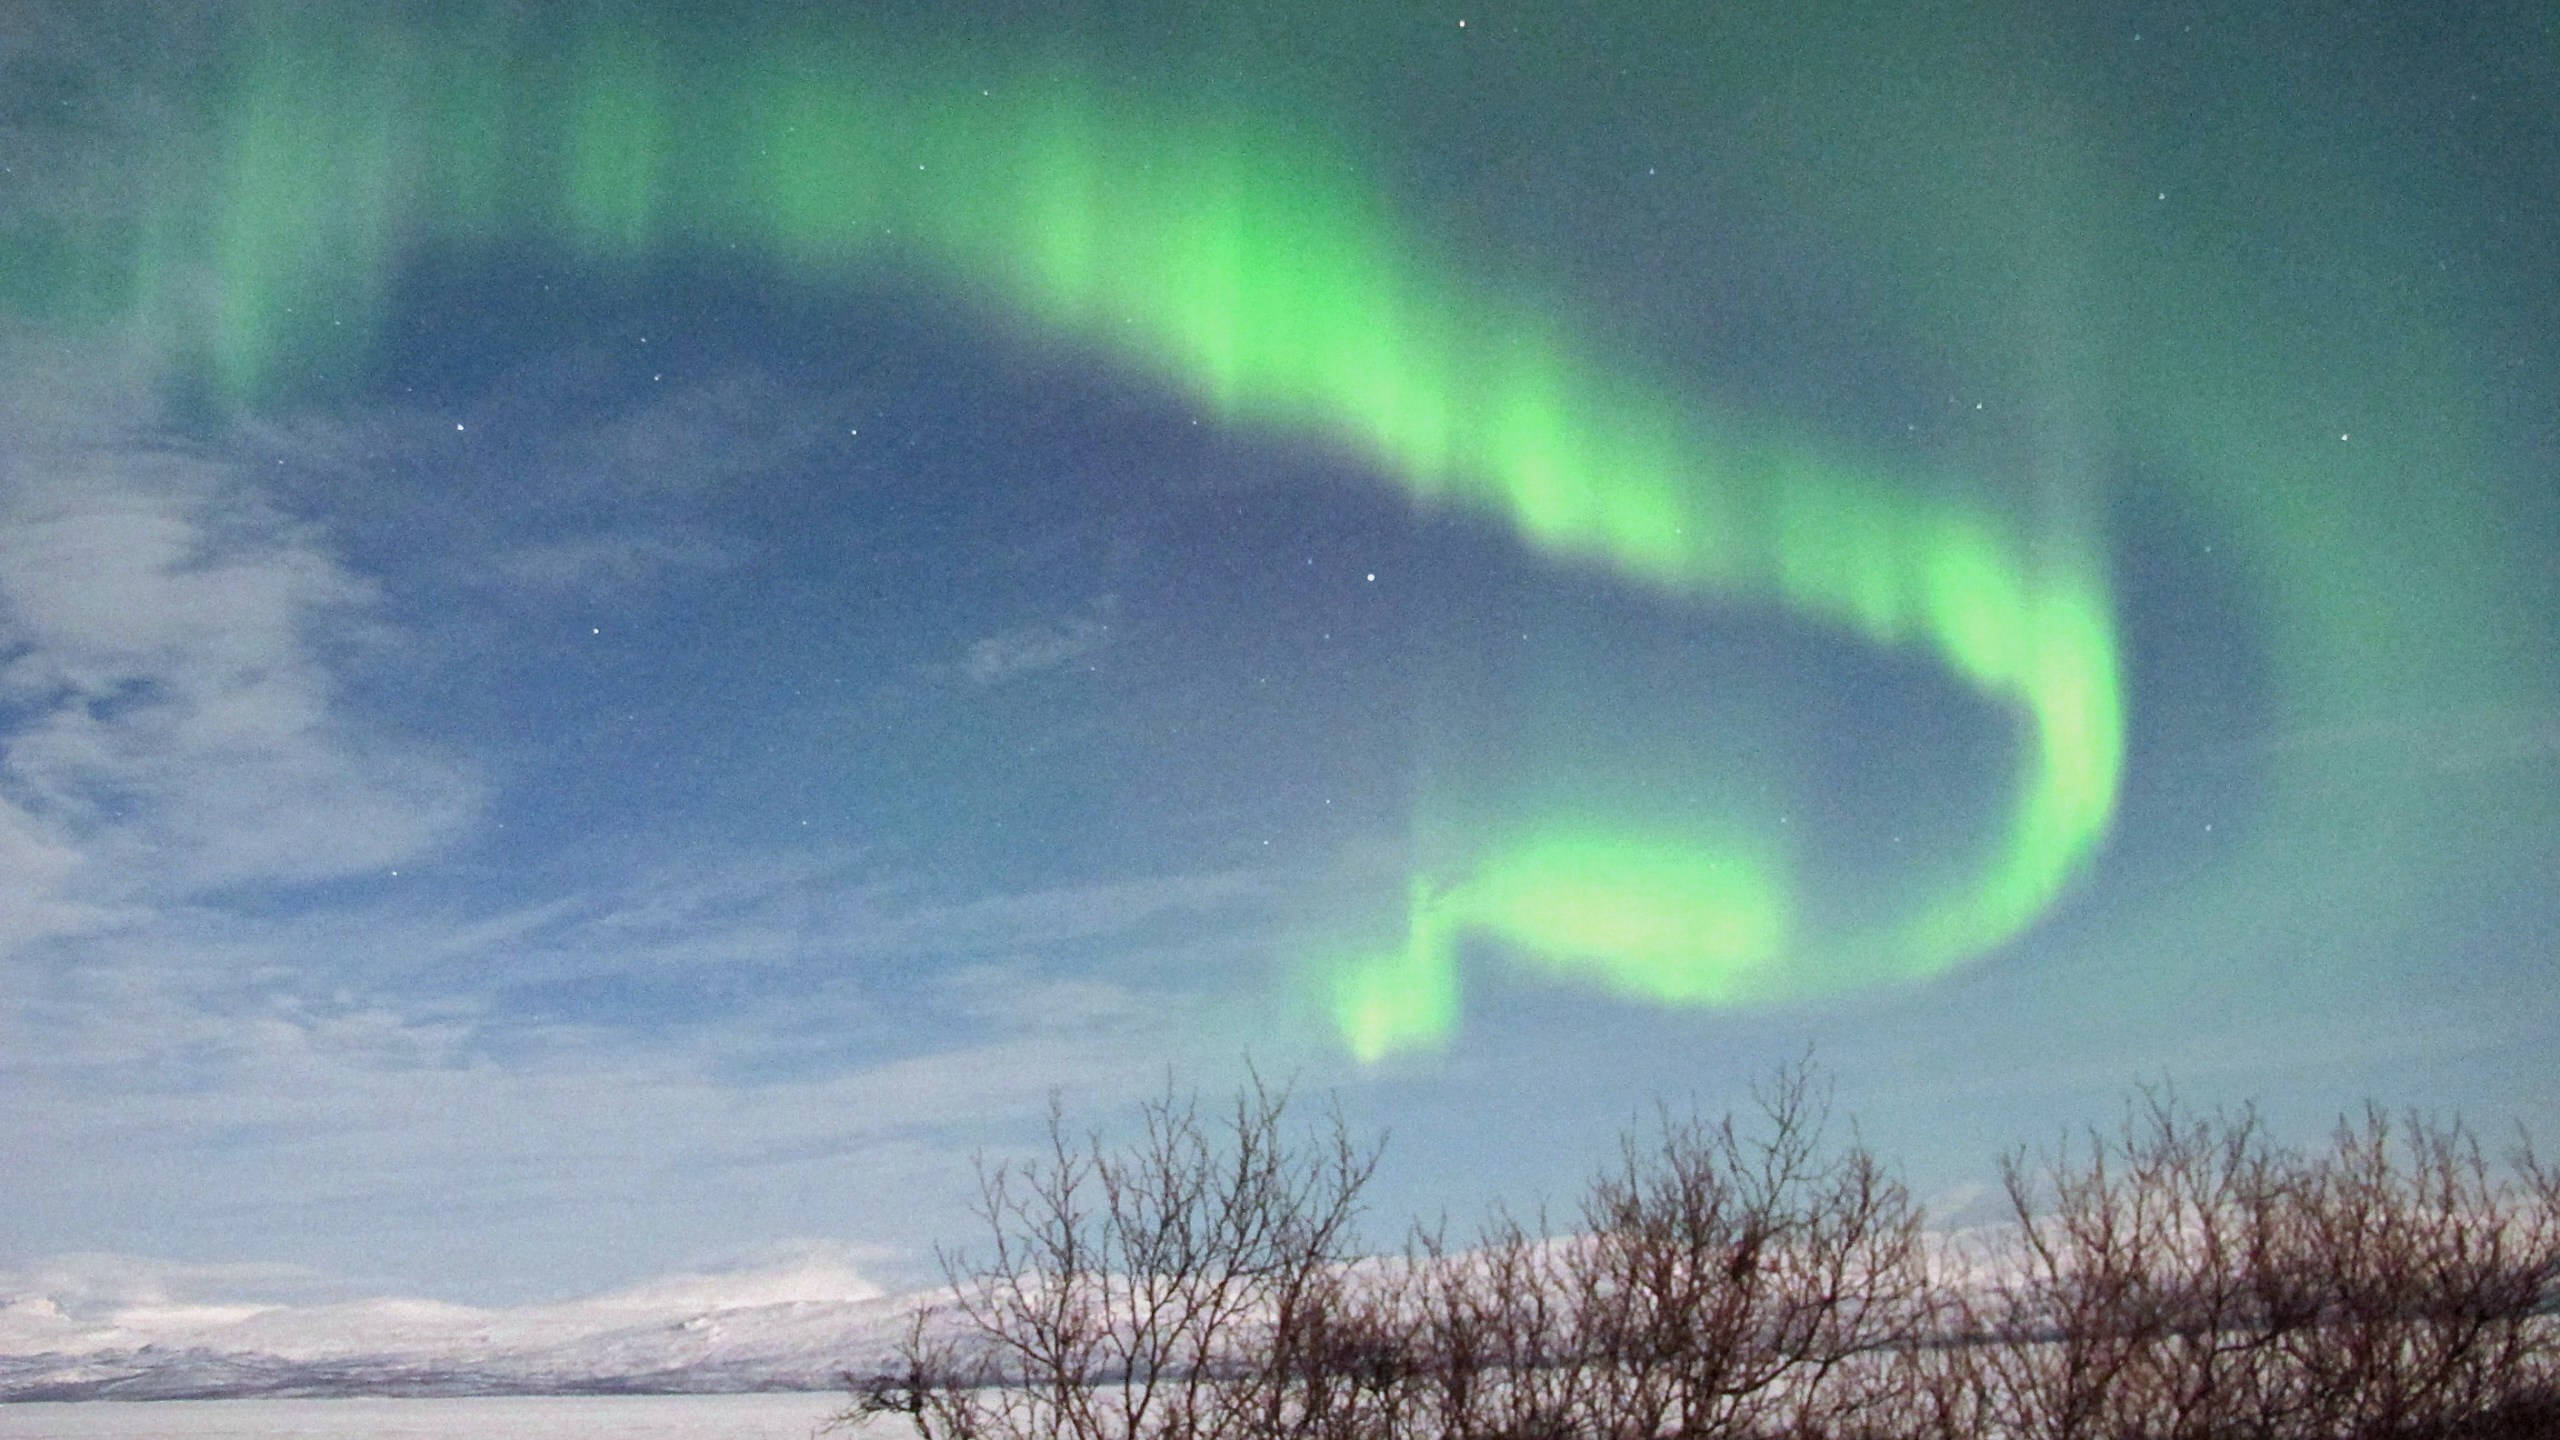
(193, 1002)
(169, 683)
(370, 1142)
(374, 1089)
(517, 505)
(1044, 645)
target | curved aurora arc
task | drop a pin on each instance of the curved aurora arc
(1248, 267)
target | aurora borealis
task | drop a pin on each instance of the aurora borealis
(2011, 540)
(1253, 269)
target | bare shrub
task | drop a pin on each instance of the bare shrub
(1184, 1286)
(1498, 1335)
(1728, 1280)
(2181, 1277)
(2429, 1271)
(2187, 1279)
(2134, 1305)
(1733, 1278)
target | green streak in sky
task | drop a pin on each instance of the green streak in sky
(1254, 268)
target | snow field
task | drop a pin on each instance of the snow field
(546, 1417)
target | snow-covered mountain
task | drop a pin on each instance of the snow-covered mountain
(800, 1321)
(797, 1325)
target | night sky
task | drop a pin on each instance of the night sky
(628, 630)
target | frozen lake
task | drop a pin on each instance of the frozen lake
(545, 1417)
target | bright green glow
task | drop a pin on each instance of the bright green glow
(1254, 269)
(2392, 583)
(1665, 922)
(1407, 999)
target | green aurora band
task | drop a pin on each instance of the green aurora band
(1247, 264)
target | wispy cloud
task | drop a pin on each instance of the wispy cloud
(170, 711)
(1054, 644)
(433, 1082)
(383, 1089)
(550, 485)
(2445, 740)
(104, 1285)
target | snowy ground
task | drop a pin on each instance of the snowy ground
(548, 1417)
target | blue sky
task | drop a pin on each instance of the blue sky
(661, 765)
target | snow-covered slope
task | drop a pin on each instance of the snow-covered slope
(802, 1322)
(801, 1325)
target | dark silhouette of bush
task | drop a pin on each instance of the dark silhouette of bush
(2182, 1277)
(1182, 1286)
(2187, 1279)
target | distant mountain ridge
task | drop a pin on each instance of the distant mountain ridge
(798, 1329)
